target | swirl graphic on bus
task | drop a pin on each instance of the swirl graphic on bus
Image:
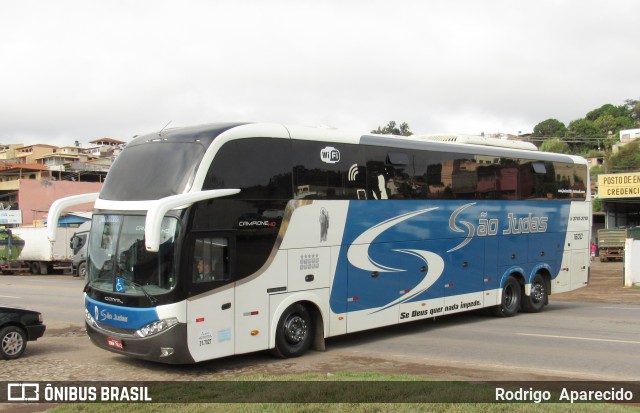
(358, 253)
(358, 256)
(471, 230)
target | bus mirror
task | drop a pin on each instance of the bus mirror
(156, 212)
(59, 205)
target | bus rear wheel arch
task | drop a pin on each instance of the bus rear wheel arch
(538, 295)
(510, 300)
(295, 332)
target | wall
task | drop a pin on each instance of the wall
(631, 262)
(36, 196)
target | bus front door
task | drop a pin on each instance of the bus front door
(210, 309)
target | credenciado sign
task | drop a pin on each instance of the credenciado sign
(619, 185)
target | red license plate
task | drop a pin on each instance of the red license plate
(114, 342)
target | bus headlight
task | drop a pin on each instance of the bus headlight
(89, 318)
(156, 327)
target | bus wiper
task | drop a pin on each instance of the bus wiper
(151, 298)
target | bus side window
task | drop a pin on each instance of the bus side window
(211, 260)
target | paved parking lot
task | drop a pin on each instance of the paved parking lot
(605, 286)
(67, 354)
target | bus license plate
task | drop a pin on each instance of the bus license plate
(115, 343)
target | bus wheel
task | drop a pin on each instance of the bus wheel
(294, 332)
(511, 297)
(537, 298)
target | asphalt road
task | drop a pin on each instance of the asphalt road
(58, 297)
(570, 339)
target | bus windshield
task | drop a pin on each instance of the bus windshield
(172, 163)
(119, 262)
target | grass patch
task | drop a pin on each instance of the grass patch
(339, 392)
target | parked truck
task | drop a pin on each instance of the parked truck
(611, 243)
(78, 244)
(31, 251)
(10, 248)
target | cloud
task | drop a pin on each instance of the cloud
(82, 70)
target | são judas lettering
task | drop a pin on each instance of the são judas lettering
(528, 224)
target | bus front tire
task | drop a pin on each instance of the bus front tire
(511, 298)
(537, 298)
(294, 333)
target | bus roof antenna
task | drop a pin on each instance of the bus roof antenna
(164, 127)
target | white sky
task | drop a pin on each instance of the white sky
(83, 70)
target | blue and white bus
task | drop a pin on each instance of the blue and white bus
(223, 239)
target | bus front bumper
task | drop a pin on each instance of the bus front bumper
(166, 347)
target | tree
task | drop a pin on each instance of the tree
(555, 145)
(391, 129)
(634, 110)
(627, 159)
(550, 128)
(584, 128)
(608, 109)
(586, 135)
(610, 119)
(598, 129)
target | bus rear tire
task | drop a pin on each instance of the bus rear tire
(535, 302)
(510, 300)
(294, 333)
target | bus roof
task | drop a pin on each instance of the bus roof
(457, 143)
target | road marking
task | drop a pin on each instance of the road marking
(622, 308)
(8, 296)
(579, 338)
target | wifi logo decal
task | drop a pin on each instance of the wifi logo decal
(353, 172)
(330, 155)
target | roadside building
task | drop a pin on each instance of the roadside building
(620, 195)
(8, 152)
(32, 177)
(104, 148)
(29, 154)
(629, 135)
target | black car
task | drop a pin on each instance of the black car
(17, 326)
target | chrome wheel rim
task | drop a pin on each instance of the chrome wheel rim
(12, 343)
(295, 329)
(537, 292)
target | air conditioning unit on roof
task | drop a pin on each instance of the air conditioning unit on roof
(478, 140)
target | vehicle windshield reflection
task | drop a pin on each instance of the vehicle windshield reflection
(117, 251)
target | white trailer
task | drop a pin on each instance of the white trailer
(39, 256)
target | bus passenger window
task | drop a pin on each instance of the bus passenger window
(210, 260)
